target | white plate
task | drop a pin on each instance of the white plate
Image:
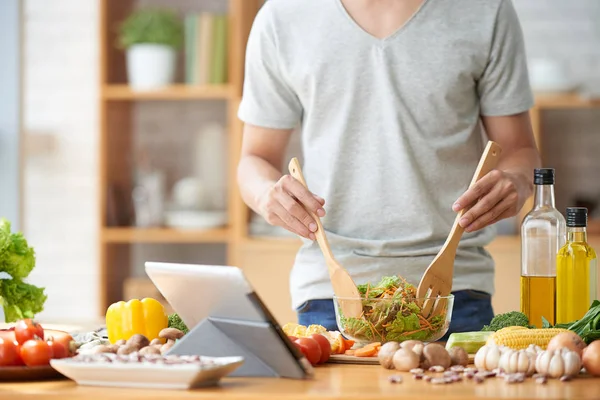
(147, 375)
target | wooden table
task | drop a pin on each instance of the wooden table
(332, 381)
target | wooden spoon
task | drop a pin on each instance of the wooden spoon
(437, 279)
(349, 299)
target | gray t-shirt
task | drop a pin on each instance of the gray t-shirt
(391, 131)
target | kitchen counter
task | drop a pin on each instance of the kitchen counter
(332, 381)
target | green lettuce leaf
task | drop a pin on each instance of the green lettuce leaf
(357, 327)
(16, 257)
(20, 299)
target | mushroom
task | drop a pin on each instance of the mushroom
(458, 356)
(386, 354)
(436, 355)
(167, 346)
(148, 350)
(138, 341)
(155, 341)
(126, 349)
(404, 360)
(171, 334)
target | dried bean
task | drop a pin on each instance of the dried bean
(418, 376)
(541, 380)
(427, 378)
(565, 378)
(478, 379)
(395, 379)
(438, 381)
(416, 371)
(437, 368)
(457, 368)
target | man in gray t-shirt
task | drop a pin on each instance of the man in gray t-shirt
(392, 98)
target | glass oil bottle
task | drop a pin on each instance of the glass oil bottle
(576, 270)
(542, 235)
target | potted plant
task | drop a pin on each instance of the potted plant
(151, 38)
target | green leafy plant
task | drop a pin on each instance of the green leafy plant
(151, 26)
(18, 298)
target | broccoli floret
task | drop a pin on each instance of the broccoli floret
(176, 322)
(511, 318)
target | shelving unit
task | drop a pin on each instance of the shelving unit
(265, 260)
(117, 103)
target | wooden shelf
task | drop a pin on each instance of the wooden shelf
(564, 100)
(174, 92)
(164, 235)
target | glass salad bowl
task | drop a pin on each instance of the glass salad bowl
(392, 313)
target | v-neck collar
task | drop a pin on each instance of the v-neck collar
(373, 38)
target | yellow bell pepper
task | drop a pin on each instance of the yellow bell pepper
(145, 317)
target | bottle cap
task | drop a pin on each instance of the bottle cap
(543, 176)
(577, 217)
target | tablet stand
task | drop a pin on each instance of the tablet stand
(265, 354)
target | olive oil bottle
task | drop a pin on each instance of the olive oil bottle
(576, 270)
(542, 235)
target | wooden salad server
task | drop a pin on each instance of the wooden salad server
(437, 279)
(343, 284)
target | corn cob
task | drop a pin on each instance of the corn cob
(521, 338)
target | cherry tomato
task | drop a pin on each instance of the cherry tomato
(36, 352)
(58, 349)
(27, 329)
(9, 353)
(311, 349)
(324, 345)
(60, 337)
(293, 338)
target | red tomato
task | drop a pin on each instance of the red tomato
(324, 345)
(61, 337)
(58, 349)
(27, 329)
(311, 349)
(9, 353)
(36, 352)
(293, 338)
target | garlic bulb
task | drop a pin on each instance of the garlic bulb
(487, 357)
(513, 361)
(558, 363)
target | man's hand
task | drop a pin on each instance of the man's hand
(277, 198)
(282, 205)
(502, 192)
(496, 196)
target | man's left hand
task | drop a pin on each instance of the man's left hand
(496, 196)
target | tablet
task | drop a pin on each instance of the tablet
(226, 317)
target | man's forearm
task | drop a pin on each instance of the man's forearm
(255, 177)
(521, 163)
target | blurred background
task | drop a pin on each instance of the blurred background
(114, 151)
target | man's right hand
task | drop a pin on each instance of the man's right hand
(285, 205)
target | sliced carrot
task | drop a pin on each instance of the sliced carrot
(349, 352)
(366, 351)
(348, 343)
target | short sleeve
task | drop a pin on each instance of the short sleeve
(267, 100)
(504, 87)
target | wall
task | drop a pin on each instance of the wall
(61, 184)
(10, 112)
(61, 75)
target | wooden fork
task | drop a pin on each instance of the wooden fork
(343, 285)
(437, 279)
